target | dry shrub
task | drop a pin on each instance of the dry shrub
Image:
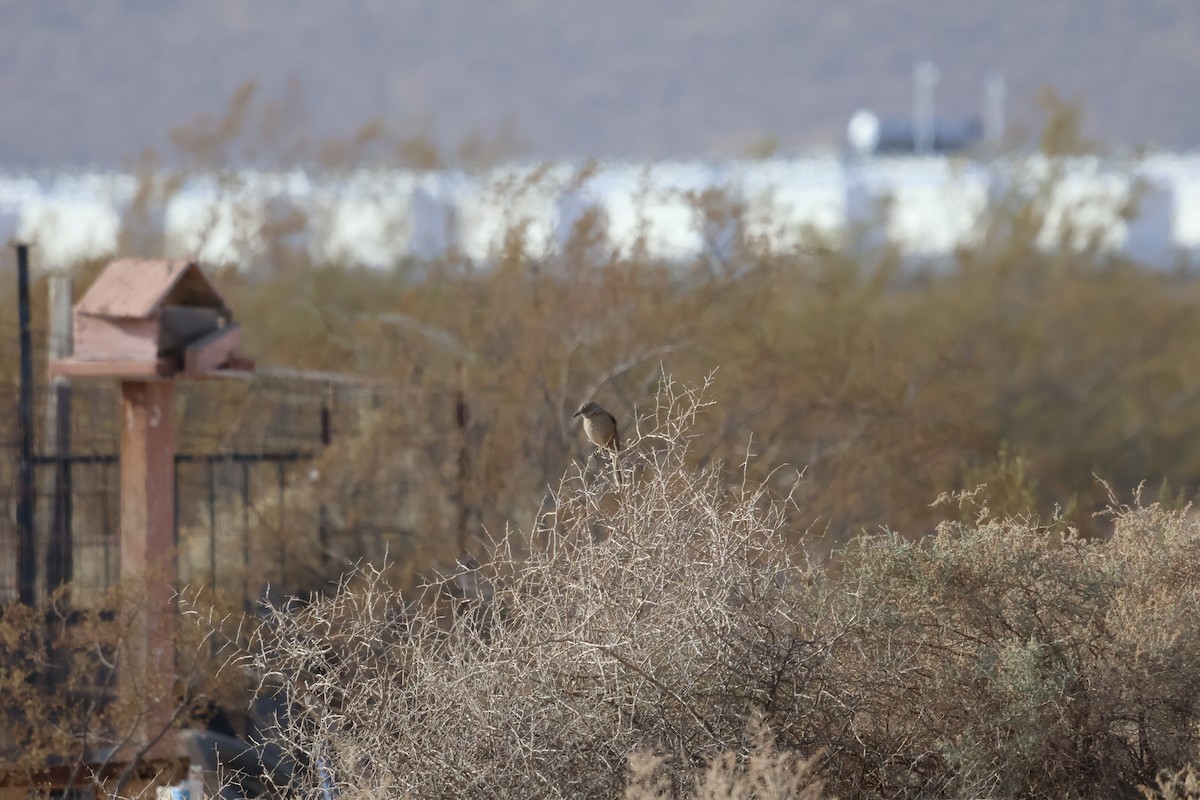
(1183, 784)
(622, 645)
(652, 606)
(76, 693)
(761, 771)
(1003, 658)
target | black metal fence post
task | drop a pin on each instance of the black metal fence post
(212, 525)
(282, 477)
(246, 536)
(323, 512)
(26, 548)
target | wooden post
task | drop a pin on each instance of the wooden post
(147, 547)
(143, 321)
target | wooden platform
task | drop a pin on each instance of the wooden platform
(138, 369)
(125, 368)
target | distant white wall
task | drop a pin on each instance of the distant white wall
(927, 207)
(789, 205)
(1180, 175)
(516, 198)
(650, 208)
(433, 207)
(365, 220)
(16, 194)
(216, 224)
(67, 218)
(937, 208)
(1149, 233)
(67, 230)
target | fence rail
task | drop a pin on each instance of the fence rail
(238, 525)
(218, 496)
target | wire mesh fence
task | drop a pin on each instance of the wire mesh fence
(243, 450)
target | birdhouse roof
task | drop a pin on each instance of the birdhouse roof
(134, 288)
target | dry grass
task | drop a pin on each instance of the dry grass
(76, 692)
(1182, 784)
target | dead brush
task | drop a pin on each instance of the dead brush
(630, 617)
(621, 645)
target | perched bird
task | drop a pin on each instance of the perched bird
(599, 426)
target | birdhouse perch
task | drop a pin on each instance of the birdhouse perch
(153, 318)
(144, 322)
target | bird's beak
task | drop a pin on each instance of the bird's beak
(576, 414)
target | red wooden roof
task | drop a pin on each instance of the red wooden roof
(134, 288)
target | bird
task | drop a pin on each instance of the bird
(599, 426)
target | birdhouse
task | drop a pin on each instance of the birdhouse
(153, 318)
(143, 322)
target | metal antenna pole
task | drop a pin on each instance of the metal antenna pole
(995, 95)
(925, 78)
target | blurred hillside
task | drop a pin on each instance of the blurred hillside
(97, 83)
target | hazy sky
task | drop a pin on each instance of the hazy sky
(99, 81)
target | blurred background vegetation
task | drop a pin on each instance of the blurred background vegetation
(1047, 373)
(1039, 373)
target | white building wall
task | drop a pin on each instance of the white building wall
(511, 198)
(363, 220)
(671, 210)
(791, 204)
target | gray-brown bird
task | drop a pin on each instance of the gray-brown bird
(599, 426)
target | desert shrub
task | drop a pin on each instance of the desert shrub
(761, 770)
(888, 388)
(78, 692)
(624, 642)
(653, 606)
(1183, 784)
(1004, 658)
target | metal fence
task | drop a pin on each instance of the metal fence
(83, 511)
(237, 527)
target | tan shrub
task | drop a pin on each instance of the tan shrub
(1004, 658)
(654, 608)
